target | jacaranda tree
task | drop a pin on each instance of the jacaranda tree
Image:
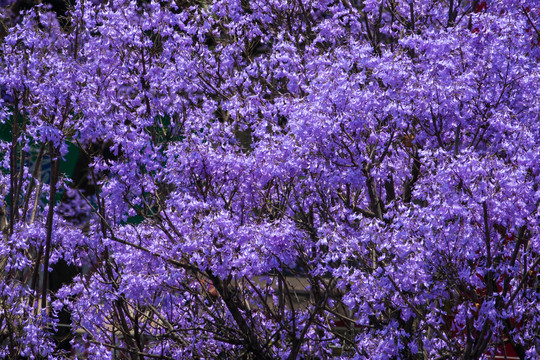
(384, 153)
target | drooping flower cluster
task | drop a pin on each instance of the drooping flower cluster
(272, 179)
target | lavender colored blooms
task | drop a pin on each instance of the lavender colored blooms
(272, 179)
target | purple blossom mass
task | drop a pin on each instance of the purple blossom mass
(271, 179)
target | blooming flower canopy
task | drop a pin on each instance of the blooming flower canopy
(271, 179)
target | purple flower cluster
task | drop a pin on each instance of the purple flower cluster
(274, 179)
